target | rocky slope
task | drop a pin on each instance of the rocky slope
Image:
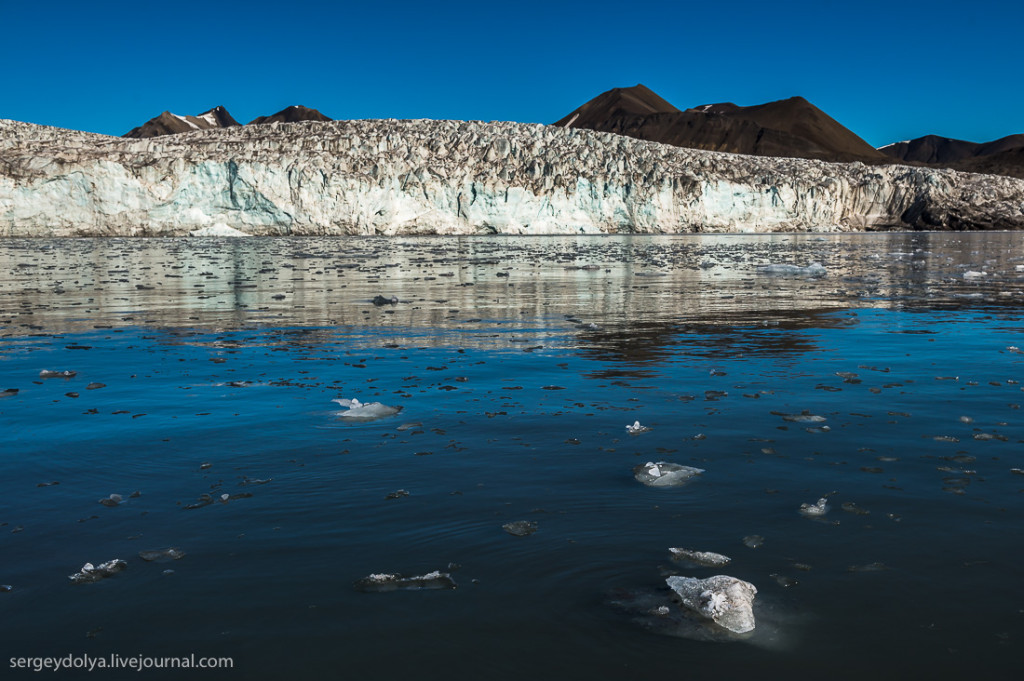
(292, 114)
(168, 123)
(787, 128)
(1004, 156)
(450, 177)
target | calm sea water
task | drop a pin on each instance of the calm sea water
(210, 366)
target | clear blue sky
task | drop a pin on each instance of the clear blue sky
(888, 70)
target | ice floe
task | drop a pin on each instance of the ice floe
(663, 474)
(381, 582)
(702, 558)
(725, 600)
(358, 411)
(94, 573)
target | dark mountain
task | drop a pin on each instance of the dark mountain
(935, 149)
(292, 114)
(792, 127)
(171, 124)
(1010, 162)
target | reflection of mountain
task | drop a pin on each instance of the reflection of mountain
(641, 293)
(635, 347)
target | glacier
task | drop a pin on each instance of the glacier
(407, 177)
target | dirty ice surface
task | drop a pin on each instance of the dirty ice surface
(164, 397)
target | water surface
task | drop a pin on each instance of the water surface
(523, 359)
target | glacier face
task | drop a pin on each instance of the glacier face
(455, 177)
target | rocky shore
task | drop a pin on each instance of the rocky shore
(455, 177)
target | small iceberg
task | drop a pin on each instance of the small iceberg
(815, 510)
(378, 583)
(726, 601)
(357, 411)
(636, 428)
(813, 271)
(94, 573)
(664, 474)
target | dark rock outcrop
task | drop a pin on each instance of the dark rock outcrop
(168, 123)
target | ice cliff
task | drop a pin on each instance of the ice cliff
(452, 177)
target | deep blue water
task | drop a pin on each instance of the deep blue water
(523, 385)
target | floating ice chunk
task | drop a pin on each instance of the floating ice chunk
(725, 600)
(381, 300)
(636, 428)
(753, 541)
(90, 573)
(359, 411)
(217, 229)
(6, 588)
(398, 494)
(381, 582)
(974, 274)
(818, 508)
(664, 474)
(162, 555)
(814, 270)
(46, 373)
(803, 417)
(783, 581)
(702, 558)
(851, 507)
(112, 500)
(520, 528)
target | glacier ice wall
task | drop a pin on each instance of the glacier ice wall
(455, 177)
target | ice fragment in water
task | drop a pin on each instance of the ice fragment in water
(664, 474)
(754, 541)
(357, 411)
(381, 582)
(725, 600)
(702, 558)
(381, 300)
(520, 528)
(814, 270)
(397, 494)
(818, 508)
(46, 373)
(6, 588)
(803, 417)
(636, 428)
(90, 573)
(112, 500)
(851, 507)
(162, 555)
(783, 580)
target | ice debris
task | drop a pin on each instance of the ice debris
(818, 508)
(6, 588)
(664, 474)
(636, 428)
(112, 500)
(520, 528)
(753, 541)
(380, 582)
(702, 558)
(217, 229)
(90, 573)
(46, 373)
(725, 600)
(359, 411)
(815, 270)
(162, 555)
(381, 300)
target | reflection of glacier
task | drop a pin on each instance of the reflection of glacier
(479, 287)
